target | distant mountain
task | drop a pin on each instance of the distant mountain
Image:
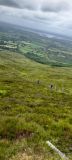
(4, 26)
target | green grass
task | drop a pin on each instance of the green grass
(30, 112)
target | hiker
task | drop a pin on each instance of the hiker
(38, 82)
(51, 86)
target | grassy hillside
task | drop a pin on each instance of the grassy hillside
(35, 95)
(31, 112)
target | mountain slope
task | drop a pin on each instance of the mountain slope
(31, 111)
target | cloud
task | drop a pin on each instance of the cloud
(44, 5)
(9, 3)
(56, 14)
(22, 4)
(55, 6)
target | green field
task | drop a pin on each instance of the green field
(31, 112)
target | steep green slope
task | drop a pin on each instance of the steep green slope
(31, 111)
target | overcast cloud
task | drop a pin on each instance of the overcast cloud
(51, 15)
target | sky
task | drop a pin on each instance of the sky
(48, 15)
